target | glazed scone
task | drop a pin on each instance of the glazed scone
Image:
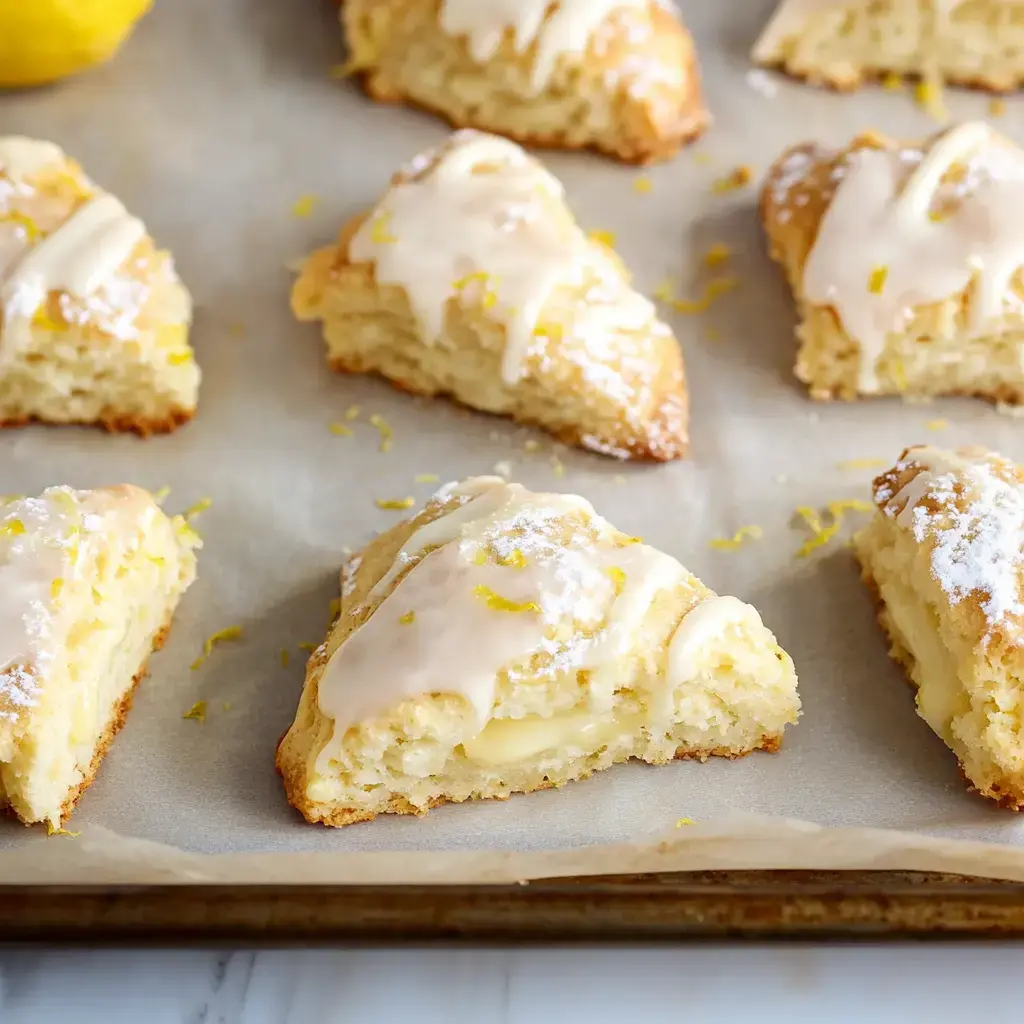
(619, 76)
(905, 263)
(510, 308)
(89, 581)
(944, 557)
(93, 319)
(502, 642)
(843, 43)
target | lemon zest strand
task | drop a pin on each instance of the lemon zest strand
(197, 713)
(498, 603)
(753, 531)
(221, 636)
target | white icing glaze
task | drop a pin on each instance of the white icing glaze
(880, 218)
(703, 623)
(556, 580)
(486, 219)
(976, 532)
(41, 541)
(554, 30)
(77, 258)
(20, 157)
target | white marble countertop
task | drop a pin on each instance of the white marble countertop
(523, 986)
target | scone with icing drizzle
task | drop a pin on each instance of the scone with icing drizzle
(619, 76)
(944, 556)
(905, 262)
(89, 582)
(93, 319)
(502, 642)
(471, 279)
(842, 43)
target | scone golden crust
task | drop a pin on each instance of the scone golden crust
(944, 558)
(905, 264)
(510, 309)
(844, 43)
(619, 76)
(93, 318)
(503, 641)
(89, 581)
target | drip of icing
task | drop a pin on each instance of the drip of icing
(77, 258)
(705, 622)
(977, 533)
(498, 579)
(562, 31)
(20, 158)
(485, 220)
(877, 222)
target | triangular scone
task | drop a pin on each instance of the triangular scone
(503, 641)
(93, 319)
(471, 279)
(89, 581)
(944, 557)
(905, 262)
(842, 43)
(619, 76)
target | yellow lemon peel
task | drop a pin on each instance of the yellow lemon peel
(497, 603)
(161, 496)
(821, 534)
(685, 821)
(930, 97)
(717, 255)
(285, 657)
(407, 619)
(861, 464)
(892, 81)
(13, 528)
(303, 206)
(220, 637)
(752, 531)
(197, 713)
(738, 177)
(515, 560)
(379, 233)
(712, 290)
(352, 413)
(394, 504)
(665, 291)
(642, 184)
(605, 238)
(340, 430)
(618, 578)
(427, 478)
(197, 509)
(936, 424)
(385, 431)
(876, 282)
(56, 586)
(557, 466)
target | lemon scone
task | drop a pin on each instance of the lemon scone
(841, 43)
(90, 580)
(502, 642)
(93, 319)
(944, 557)
(471, 279)
(905, 262)
(618, 76)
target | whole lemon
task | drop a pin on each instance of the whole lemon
(44, 40)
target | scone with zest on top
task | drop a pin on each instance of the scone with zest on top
(93, 319)
(619, 76)
(503, 641)
(944, 557)
(471, 279)
(89, 581)
(905, 262)
(842, 43)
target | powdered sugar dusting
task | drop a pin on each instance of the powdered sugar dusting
(976, 530)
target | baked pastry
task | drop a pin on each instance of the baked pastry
(502, 642)
(90, 580)
(93, 319)
(618, 76)
(841, 43)
(944, 557)
(510, 308)
(905, 262)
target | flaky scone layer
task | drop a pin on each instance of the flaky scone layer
(844, 43)
(683, 673)
(634, 94)
(937, 349)
(944, 558)
(106, 340)
(598, 370)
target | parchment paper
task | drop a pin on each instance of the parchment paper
(215, 119)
